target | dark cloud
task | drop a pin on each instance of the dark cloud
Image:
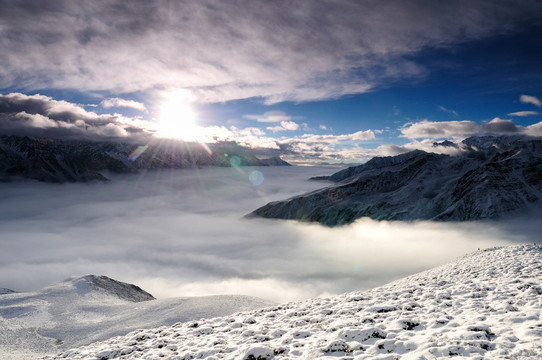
(500, 127)
(42, 116)
(279, 50)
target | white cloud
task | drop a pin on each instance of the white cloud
(272, 50)
(118, 102)
(453, 112)
(284, 126)
(269, 117)
(524, 113)
(534, 129)
(311, 148)
(530, 100)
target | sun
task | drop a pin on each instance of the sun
(177, 120)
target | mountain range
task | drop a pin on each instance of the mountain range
(488, 178)
(91, 308)
(486, 305)
(59, 161)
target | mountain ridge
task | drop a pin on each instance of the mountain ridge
(493, 177)
(59, 161)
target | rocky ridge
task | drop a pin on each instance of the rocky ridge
(492, 177)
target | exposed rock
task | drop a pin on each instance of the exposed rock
(493, 177)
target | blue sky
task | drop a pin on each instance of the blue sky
(315, 81)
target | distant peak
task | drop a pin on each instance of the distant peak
(4, 291)
(122, 290)
(445, 143)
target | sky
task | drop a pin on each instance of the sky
(321, 81)
(182, 233)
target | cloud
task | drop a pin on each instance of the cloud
(526, 99)
(118, 102)
(524, 113)
(465, 128)
(269, 117)
(181, 232)
(42, 116)
(453, 112)
(499, 126)
(311, 148)
(220, 51)
(284, 126)
(440, 129)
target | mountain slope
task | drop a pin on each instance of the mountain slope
(51, 160)
(487, 304)
(493, 177)
(82, 310)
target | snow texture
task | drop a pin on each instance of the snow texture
(91, 308)
(485, 305)
(493, 177)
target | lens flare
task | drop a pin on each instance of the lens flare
(235, 161)
(137, 152)
(256, 178)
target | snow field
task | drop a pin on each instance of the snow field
(485, 305)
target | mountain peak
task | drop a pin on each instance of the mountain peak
(4, 291)
(122, 290)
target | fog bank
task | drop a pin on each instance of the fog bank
(182, 233)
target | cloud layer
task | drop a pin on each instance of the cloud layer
(180, 233)
(219, 51)
(466, 128)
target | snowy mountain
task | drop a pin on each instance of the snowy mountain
(70, 160)
(491, 178)
(91, 308)
(485, 305)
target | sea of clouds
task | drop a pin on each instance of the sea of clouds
(182, 233)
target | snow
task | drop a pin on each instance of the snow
(82, 310)
(485, 305)
(500, 180)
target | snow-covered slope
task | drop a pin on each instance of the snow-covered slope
(485, 305)
(493, 177)
(86, 309)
